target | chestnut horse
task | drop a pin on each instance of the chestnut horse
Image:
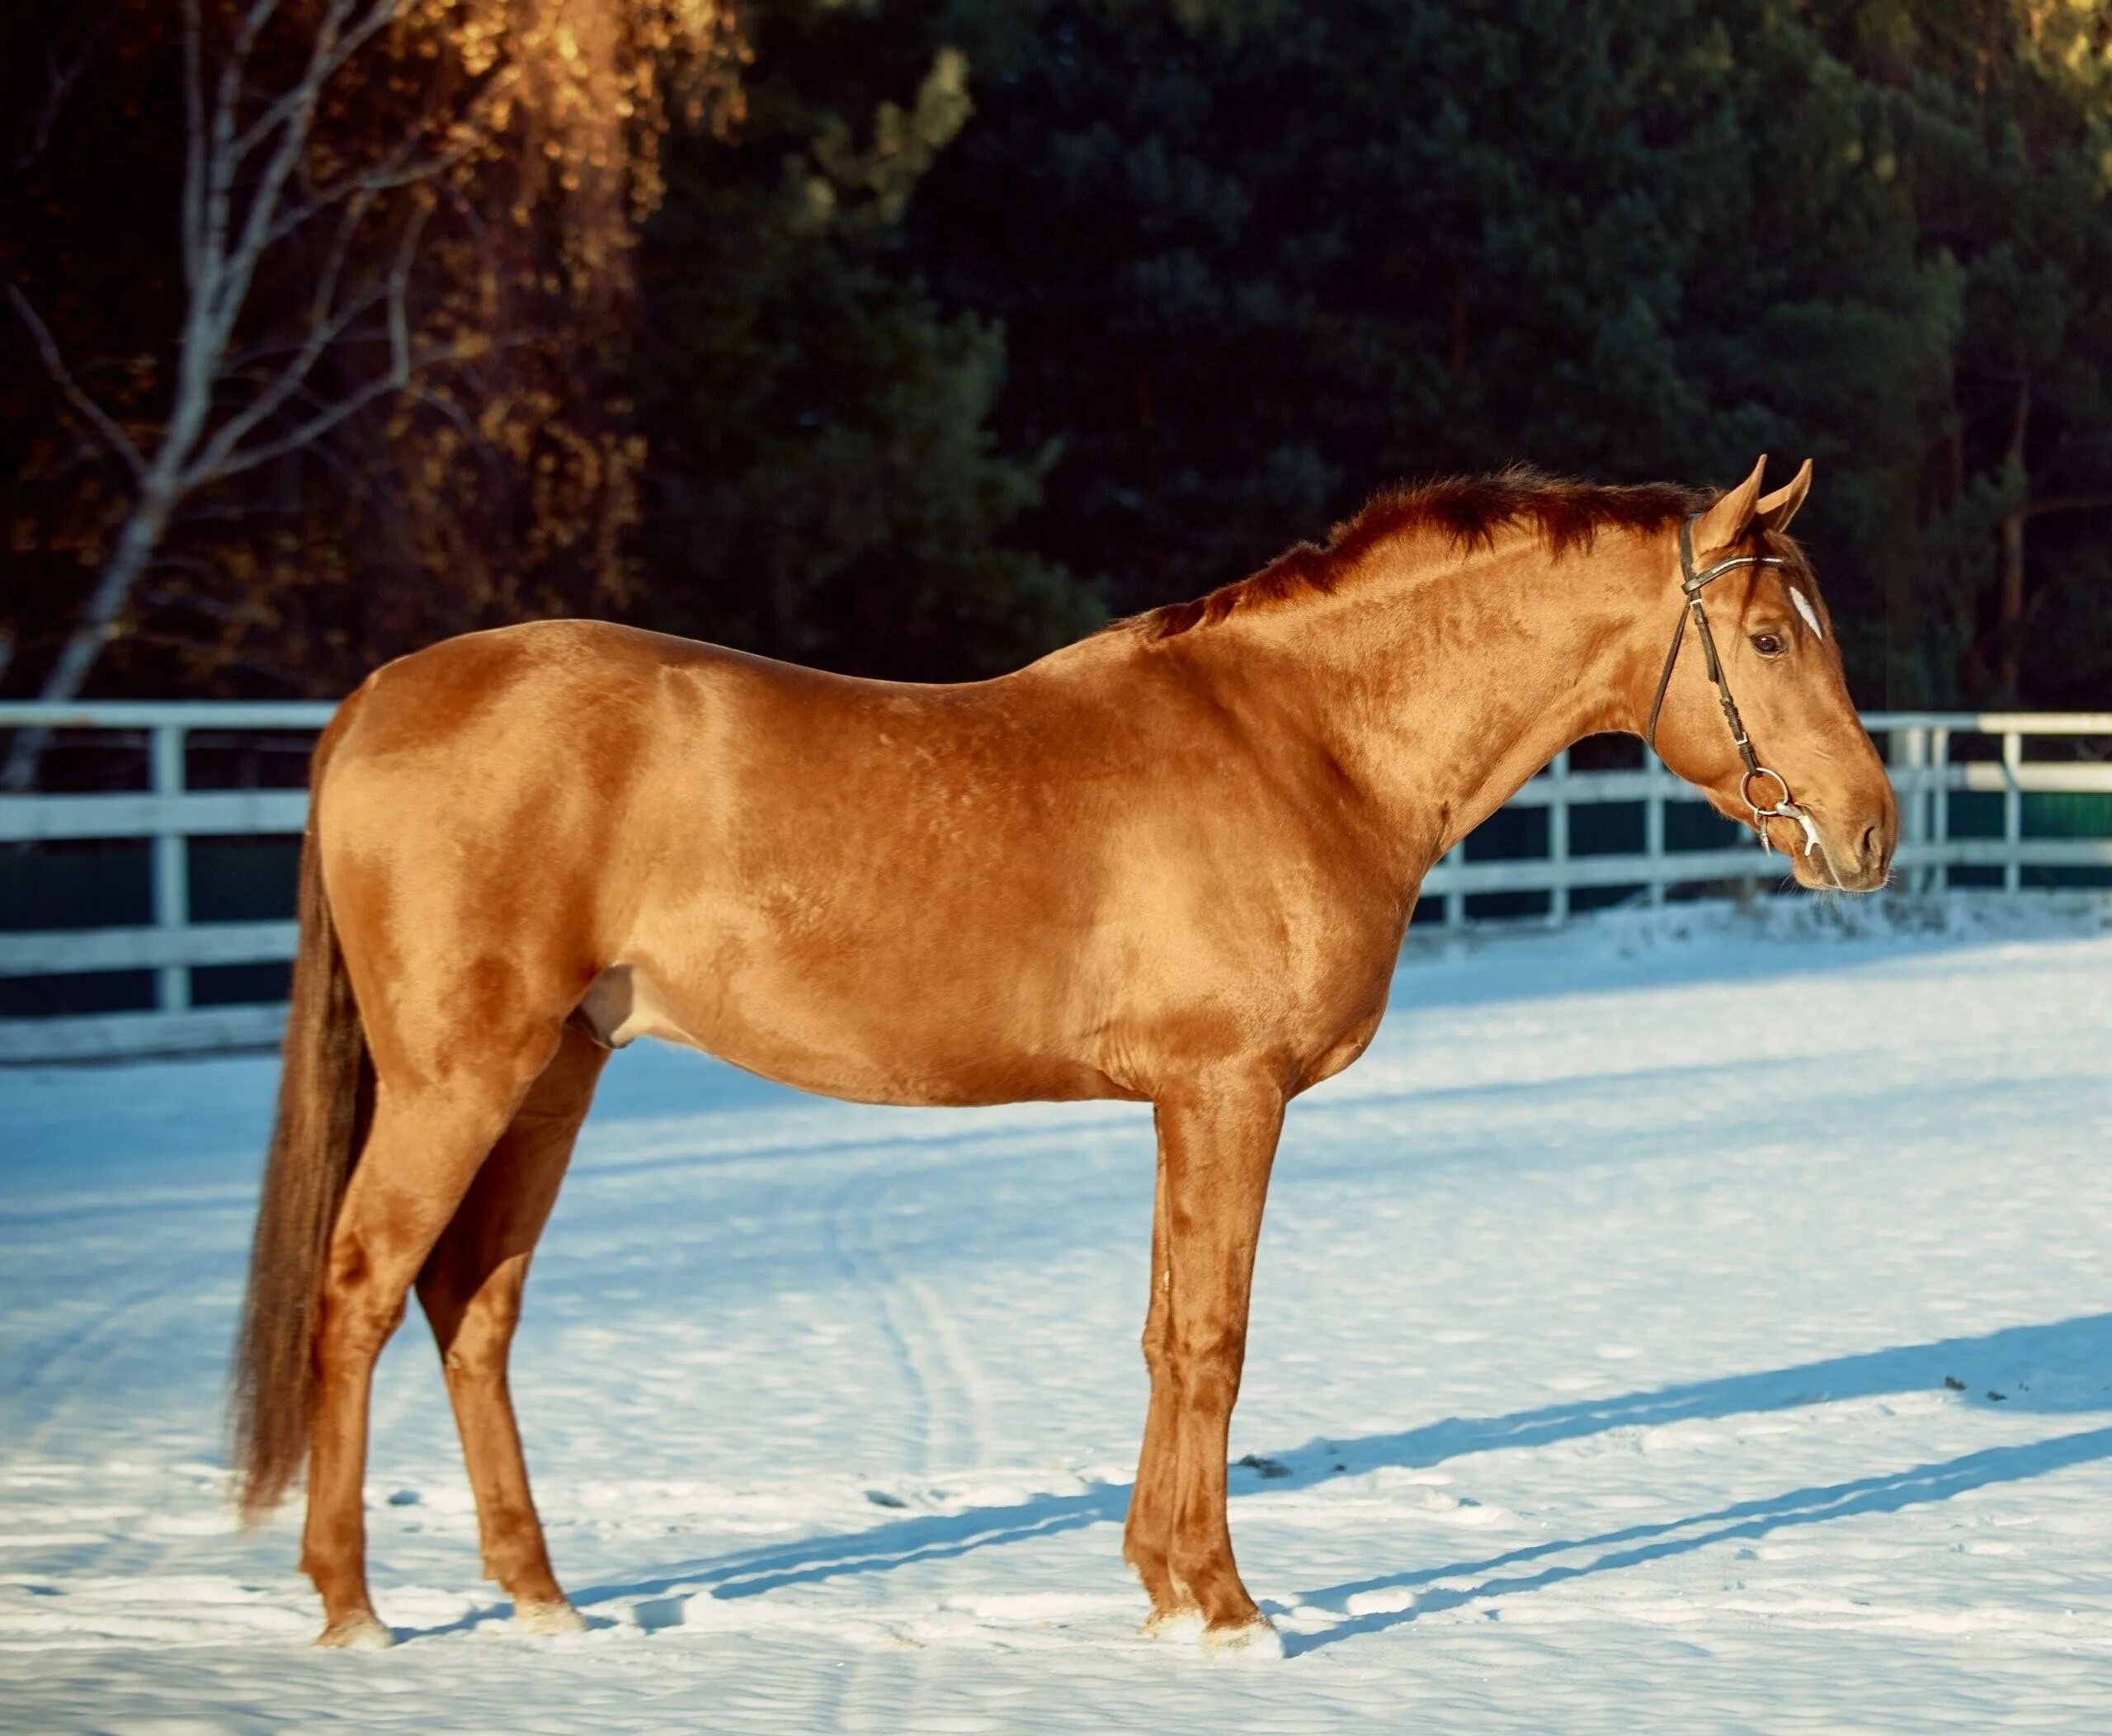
(1170, 863)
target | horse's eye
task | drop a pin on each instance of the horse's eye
(1768, 645)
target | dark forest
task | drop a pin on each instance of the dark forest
(913, 341)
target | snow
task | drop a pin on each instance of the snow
(1693, 1321)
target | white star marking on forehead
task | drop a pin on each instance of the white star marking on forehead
(1804, 608)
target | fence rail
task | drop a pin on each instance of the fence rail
(1976, 808)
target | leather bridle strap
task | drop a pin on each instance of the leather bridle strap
(1692, 584)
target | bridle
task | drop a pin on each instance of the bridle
(1693, 584)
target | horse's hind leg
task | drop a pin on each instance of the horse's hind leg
(431, 1132)
(470, 1290)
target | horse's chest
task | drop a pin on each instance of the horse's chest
(1346, 1048)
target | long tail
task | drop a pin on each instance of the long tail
(326, 1093)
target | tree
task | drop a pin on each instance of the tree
(243, 195)
(824, 485)
(1278, 257)
(992, 312)
(393, 217)
(2005, 109)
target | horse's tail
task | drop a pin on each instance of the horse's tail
(326, 1091)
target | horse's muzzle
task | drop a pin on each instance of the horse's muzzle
(1854, 856)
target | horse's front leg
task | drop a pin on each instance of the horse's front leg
(1217, 1141)
(1149, 1532)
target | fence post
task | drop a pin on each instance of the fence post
(1558, 839)
(1939, 810)
(2012, 810)
(1455, 901)
(1908, 754)
(171, 863)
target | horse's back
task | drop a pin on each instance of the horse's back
(849, 884)
(593, 680)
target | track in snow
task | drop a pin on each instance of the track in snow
(1708, 1329)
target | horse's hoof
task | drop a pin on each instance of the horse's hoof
(1254, 1638)
(362, 1632)
(1185, 1623)
(555, 1617)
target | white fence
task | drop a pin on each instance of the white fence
(1964, 780)
(1926, 769)
(169, 815)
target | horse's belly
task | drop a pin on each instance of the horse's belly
(841, 1042)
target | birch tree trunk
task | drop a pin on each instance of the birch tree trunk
(241, 198)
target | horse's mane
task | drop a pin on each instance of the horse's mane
(1470, 510)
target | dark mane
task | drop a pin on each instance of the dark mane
(1471, 510)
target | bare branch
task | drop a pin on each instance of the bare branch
(400, 168)
(256, 364)
(379, 16)
(194, 143)
(318, 425)
(264, 201)
(333, 262)
(222, 159)
(277, 393)
(334, 44)
(116, 437)
(227, 100)
(400, 292)
(2068, 504)
(488, 454)
(252, 27)
(58, 87)
(325, 326)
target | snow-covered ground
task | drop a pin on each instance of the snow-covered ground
(1671, 1326)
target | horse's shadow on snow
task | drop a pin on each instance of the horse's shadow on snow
(2061, 1367)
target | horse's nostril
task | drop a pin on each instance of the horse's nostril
(1870, 846)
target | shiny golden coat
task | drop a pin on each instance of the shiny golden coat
(1173, 862)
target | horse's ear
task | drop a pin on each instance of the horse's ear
(1730, 518)
(1775, 510)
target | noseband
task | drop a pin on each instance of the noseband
(1692, 583)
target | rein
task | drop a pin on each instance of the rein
(1693, 584)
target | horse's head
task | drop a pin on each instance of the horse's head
(1820, 795)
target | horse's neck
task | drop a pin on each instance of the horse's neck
(1441, 685)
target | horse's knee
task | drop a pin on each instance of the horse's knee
(473, 1327)
(478, 1348)
(1158, 1348)
(1205, 1368)
(359, 1325)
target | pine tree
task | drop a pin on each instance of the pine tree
(1254, 261)
(2005, 110)
(825, 486)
